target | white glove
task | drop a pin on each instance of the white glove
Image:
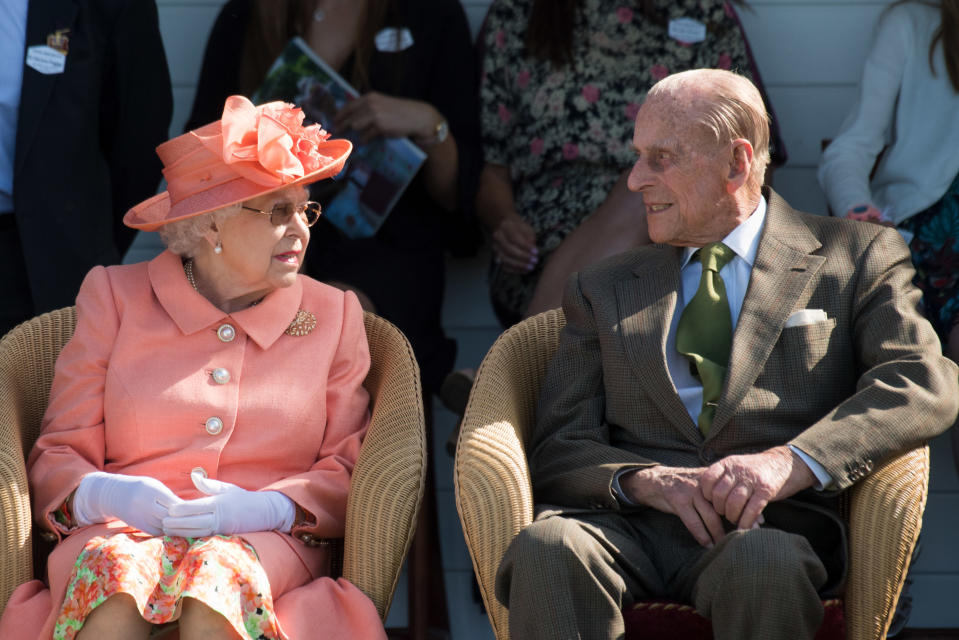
(139, 501)
(228, 510)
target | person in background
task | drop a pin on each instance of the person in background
(712, 394)
(562, 82)
(422, 87)
(206, 415)
(906, 117)
(85, 98)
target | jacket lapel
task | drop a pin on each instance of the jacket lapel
(645, 306)
(782, 271)
(43, 19)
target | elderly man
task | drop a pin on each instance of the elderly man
(713, 392)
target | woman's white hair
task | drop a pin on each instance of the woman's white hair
(184, 237)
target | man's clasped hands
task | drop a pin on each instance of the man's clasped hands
(736, 488)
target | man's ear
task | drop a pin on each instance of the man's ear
(741, 162)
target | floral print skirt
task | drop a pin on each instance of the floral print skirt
(935, 254)
(158, 572)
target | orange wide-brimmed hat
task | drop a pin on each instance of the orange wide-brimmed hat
(249, 152)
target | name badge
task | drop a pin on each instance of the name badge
(391, 40)
(687, 30)
(45, 59)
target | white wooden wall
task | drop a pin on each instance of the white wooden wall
(810, 54)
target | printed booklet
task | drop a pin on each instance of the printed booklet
(376, 173)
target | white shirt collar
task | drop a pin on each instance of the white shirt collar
(743, 240)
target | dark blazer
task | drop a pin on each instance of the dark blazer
(86, 139)
(851, 391)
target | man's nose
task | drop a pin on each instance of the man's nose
(638, 177)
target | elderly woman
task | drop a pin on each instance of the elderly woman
(206, 416)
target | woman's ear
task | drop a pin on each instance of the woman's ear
(212, 235)
(740, 164)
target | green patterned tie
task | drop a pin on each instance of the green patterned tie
(705, 330)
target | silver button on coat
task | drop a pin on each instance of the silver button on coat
(226, 333)
(214, 425)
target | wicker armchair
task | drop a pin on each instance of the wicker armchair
(387, 484)
(495, 500)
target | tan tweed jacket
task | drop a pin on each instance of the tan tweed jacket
(850, 392)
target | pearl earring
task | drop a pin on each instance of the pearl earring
(218, 249)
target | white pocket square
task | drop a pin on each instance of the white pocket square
(806, 316)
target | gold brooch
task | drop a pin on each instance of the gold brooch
(302, 324)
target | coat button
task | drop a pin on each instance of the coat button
(226, 333)
(214, 425)
(199, 470)
(220, 375)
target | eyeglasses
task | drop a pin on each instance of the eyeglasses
(282, 213)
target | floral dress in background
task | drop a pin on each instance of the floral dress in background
(566, 133)
(935, 255)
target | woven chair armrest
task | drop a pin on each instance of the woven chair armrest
(885, 517)
(386, 488)
(16, 566)
(494, 496)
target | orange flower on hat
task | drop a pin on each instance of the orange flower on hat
(269, 144)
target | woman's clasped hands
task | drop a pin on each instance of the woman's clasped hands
(148, 505)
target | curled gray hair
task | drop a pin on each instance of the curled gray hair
(183, 237)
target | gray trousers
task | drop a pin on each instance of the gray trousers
(571, 577)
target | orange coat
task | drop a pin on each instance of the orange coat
(133, 394)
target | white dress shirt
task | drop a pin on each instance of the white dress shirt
(13, 36)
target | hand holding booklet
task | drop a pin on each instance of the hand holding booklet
(378, 171)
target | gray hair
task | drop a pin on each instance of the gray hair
(729, 107)
(184, 237)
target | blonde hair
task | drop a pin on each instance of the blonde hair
(728, 106)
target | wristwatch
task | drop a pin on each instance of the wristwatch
(442, 131)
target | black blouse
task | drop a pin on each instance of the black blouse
(439, 68)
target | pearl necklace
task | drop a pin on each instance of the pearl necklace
(188, 268)
(303, 323)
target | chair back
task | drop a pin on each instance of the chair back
(387, 485)
(385, 490)
(494, 497)
(28, 354)
(494, 494)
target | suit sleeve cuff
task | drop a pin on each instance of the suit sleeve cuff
(822, 476)
(618, 490)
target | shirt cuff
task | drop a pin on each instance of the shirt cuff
(618, 490)
(822, 476)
